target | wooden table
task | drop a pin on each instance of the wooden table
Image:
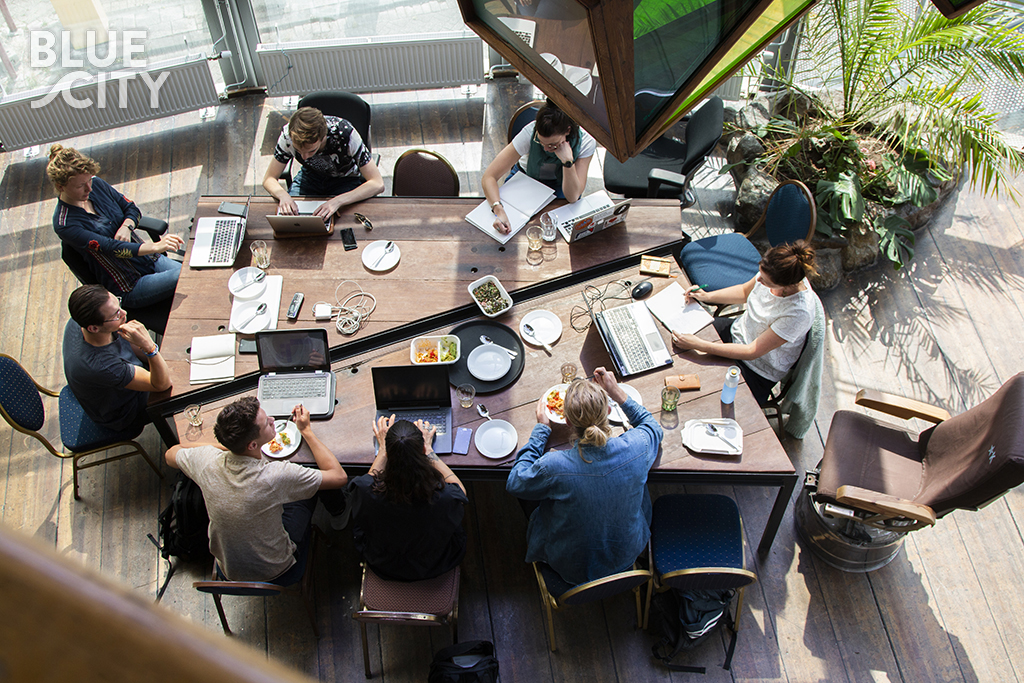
(555, 285)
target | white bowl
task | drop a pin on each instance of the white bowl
(501, 290)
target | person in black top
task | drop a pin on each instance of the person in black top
(407, 512)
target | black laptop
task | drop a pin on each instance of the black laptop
(416, 392)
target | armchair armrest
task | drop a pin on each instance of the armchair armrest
(898, 406)
(659, 176)
(881, 503)
(154, 226)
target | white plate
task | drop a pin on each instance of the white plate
(552, 416)
(242, 285)
(244, 312)
(617, 414)
(580, 78)
(289, 428)
(554, 61)
(374, 252)
(496, 439)
(488, 362)
(696, 437)
(546, 325)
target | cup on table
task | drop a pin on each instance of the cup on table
(568, 372)
(533, 242)
(547, 226)
(260, 254)
(465, 393)
(669, 399)
(194, 415)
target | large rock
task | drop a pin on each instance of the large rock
(744, 151)
(794, 105)
(754, 115)
(862, 250)
(752, 197)
(829, 264)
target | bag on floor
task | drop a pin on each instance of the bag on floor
(682, 620)
(183, 527)
(469, 662)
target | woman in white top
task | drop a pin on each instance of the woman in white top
(551, 149)
(768, 338)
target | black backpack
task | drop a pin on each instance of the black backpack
(682, 620)
(183, 527)
(469, 662)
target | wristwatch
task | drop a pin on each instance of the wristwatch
(567, 164)
(497, 203)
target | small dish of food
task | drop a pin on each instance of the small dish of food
(443, 349)
(490, 296)
(285, 442)
(554, 403)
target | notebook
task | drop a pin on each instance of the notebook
(416, 392)
(217, 241)
(589, 215)
(632, 338)
(305, 224)
(212, 359)
(522, 197)
(670, 307)
(295, 368)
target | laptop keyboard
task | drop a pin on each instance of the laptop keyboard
(295, 387)
(434, 418)
(224, 234)
(631, 342)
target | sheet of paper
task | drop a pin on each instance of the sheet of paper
(670, 308)
(483, 218)
(212, 358)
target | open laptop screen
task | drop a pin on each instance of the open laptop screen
(411, 387)
(292, 350)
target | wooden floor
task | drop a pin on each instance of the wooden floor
(943, 330)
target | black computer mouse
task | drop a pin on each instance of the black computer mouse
(642, 290)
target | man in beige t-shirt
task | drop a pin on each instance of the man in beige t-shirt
(260, 510)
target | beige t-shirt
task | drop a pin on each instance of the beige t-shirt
(245, 498)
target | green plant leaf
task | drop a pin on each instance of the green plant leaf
(895, 240)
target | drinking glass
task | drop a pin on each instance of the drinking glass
(533, 239)
(669, 399)
(260, 254)
(465, 393)
(547, 225)
(193, 415)
(568, 372)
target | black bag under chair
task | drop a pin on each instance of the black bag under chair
(683, 620)
(469, 662)
(183, 527)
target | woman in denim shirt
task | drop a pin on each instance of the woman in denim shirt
(594, 512)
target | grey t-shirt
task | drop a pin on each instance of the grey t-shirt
(98, 376)
(245, 498)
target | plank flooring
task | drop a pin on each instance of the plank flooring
(942, 330)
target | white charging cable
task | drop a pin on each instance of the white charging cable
(352, 317)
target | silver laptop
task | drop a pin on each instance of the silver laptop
(632, 338)
(305, 224)
(217, 241)
(416, 392)
(594, 221)
(525, 29)
(295, 368)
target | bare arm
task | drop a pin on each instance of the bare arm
(373, 186)
(334, 475)
(495, 171)
(380, 430)
(574, 180)
(166, 243)
(272, 184)
(765, 342)
(157, 377)
(737, 294)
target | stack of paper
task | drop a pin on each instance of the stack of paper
(522, 197)
(670, 307)
(212, 359)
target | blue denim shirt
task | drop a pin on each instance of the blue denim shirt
(594, 518)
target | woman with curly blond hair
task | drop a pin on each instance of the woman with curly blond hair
(593, 513)
(98, 222)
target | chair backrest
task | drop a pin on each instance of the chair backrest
(522, 116)
(976, 456)
(344, 104)
(703, 131)
(20, 402)
(241, 588)
(77, 265)
(608, 586)
(790, 214)
(718, 578)
(422, 173)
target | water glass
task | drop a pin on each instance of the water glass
(547, 226)
(465, 393)
(193, 415)
(568, 372)
(669, 399)
(260, 254)
(533, 240)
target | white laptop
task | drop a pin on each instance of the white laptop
(217, 241)
(305, 224)
(295, 367)
(578, 226)
(632, 338)
(525, 29)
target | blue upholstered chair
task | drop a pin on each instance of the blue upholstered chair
(556, 592)
(647, 174)
(697, 544)
(725, 260)
(22, 407)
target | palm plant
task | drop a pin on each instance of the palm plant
(898, 102)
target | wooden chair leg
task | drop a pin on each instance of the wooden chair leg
(152, 464)
(220, 613)
(366, 650)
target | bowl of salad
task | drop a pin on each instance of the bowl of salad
(441, 350)
(490, 296)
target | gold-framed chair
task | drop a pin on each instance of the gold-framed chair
(431, 602)
(423, 173)
(555, 592)
(22, 407)
(522, 116)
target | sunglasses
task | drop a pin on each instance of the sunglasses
(364, 220)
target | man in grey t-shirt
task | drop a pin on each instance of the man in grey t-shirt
(260, 510)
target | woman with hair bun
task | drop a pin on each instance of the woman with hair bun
(588, 506)
(768, 338)
(552, 149)
(407, 512)
(97, 221)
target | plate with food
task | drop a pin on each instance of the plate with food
(554, 403)
(442, 349)
(285, 442)
(490, 296)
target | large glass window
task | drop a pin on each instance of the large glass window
(288, 21)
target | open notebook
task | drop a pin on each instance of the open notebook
(522, 197)
(669, 306)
